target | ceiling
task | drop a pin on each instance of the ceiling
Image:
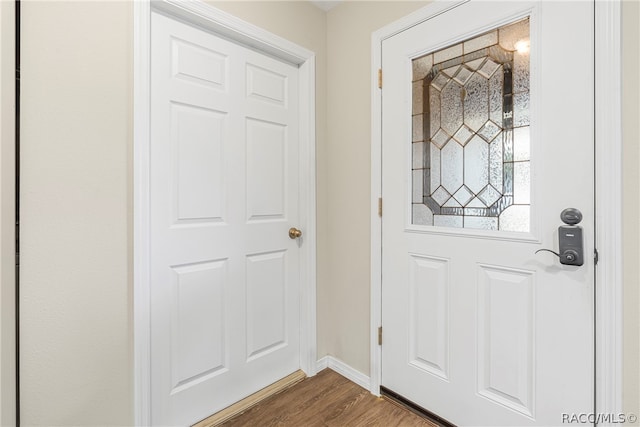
(326, 5)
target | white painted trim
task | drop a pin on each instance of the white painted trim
(198, 13)
(307, 200)
(141, 291)
(7, 215)
(345, 370)
(376, 221)
(609, 281)
(322, 364)
(608, 134)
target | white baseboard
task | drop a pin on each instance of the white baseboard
(345, 370)
(322, 363)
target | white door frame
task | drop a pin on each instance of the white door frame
(608, 149)
(197, 13)
(7, 213)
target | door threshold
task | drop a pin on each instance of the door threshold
(250, 401)
(407, 404)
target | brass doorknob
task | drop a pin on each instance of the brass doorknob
(294, 233)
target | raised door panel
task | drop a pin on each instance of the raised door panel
(505, 337)
(266, 303)
(198, 164)
(198, 64)
(267, 85)
(198, 343)
(429, 314)
(266, 170)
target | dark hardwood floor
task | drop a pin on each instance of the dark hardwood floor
(328, 399)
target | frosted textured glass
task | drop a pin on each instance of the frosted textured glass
(521, 109)
(452, 203)
(499, 55)
(440, 138)
(418, 132)
(479, 42)
(476, 63)
(472, 100)
(440, 81)
(515, 218)
(447, 53)
(418, 155)
(488, 68)
(422, 215)
(476, 203)
(507, 179)
(495, 160)
(463, 134)
(447, 221)
(451, 71)
(452, 165)
(418, 98)
(521, 149)
(434, 112)
(463, 195)
(521, 183)
(476, 108)
(489, 131)
(482, 223)
(417, 186)
(441, 196)
(476, 161)
(451, 113)
(507, 146)
(511, 34)
(463, 75)
(520, 72)
(421, 67)
(495, 97)
(435, 167)
(489, 195)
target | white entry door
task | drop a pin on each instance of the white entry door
(224, 193)
(487, 136)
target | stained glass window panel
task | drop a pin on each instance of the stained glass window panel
(471, 145)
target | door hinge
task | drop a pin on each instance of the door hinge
(596, 256)
(380, 206)
(380, 335)
(379, 78)
(17, 243)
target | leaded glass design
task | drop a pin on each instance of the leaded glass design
(470, 144)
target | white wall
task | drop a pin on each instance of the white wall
(75, 297)
(349, 28)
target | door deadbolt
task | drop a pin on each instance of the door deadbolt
(570, 239)
(294, 233)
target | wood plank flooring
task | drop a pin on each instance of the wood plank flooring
(330, 400)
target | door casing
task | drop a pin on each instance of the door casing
(9, 392)
(608, 192)
(199, 14)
